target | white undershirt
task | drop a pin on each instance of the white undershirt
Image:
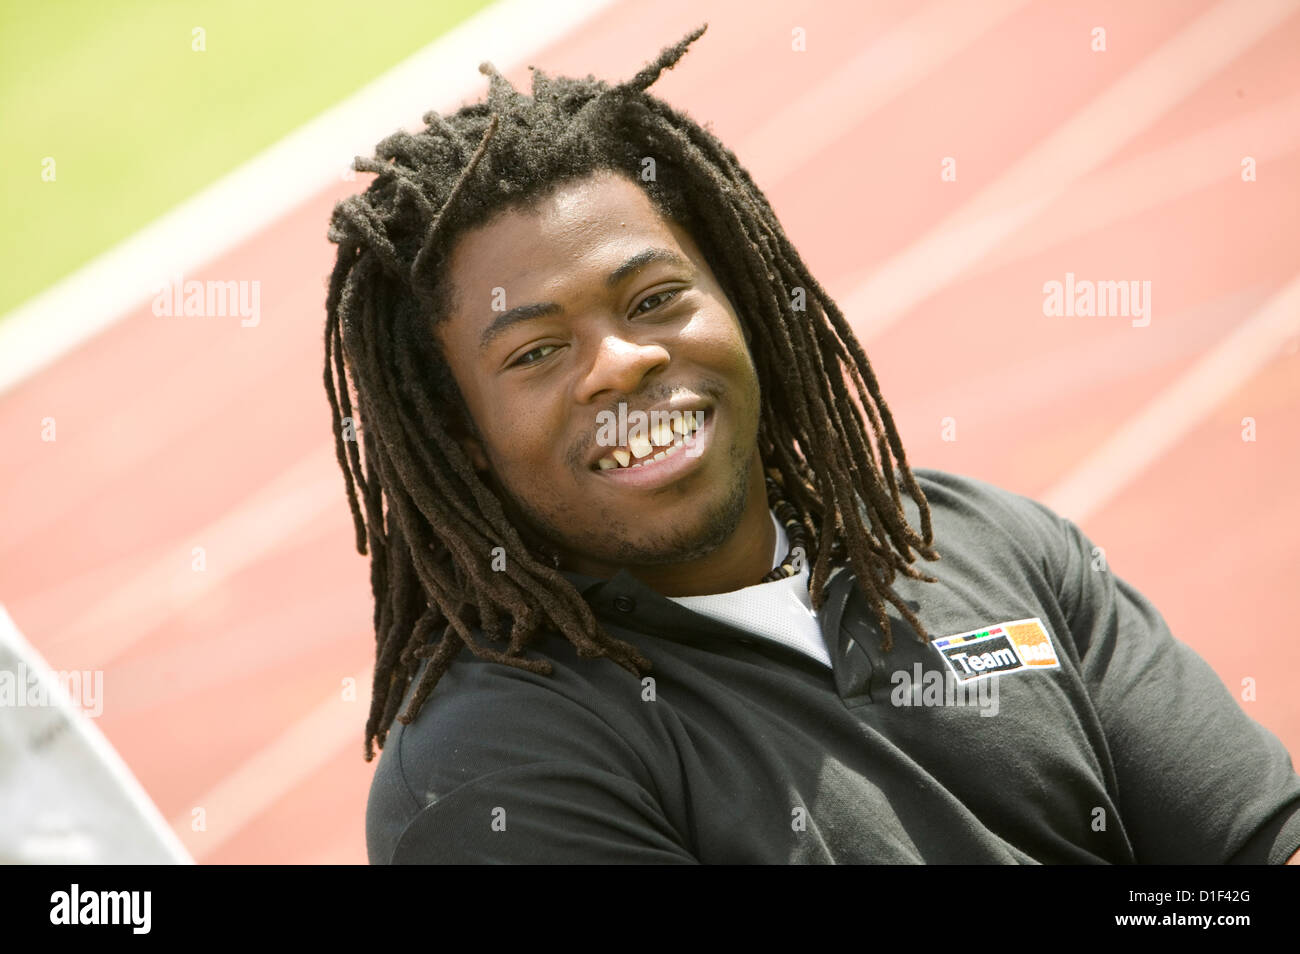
(780, 611)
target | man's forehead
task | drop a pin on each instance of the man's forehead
(589, 224)
(575, 211)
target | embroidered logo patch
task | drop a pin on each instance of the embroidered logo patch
(1019, 644)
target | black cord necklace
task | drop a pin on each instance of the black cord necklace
(794, 530)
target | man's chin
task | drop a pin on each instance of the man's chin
(629, 540)
(659, 552)
(683, 544)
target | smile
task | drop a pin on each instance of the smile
(674, 456)
(663, 441)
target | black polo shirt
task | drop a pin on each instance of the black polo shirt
(1094, 737)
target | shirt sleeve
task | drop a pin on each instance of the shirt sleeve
(508, 767)
(1199, 781)
(542, 813)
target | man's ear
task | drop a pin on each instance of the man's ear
(470, 444)
(459, 425)
(744, 327)
(474, 451)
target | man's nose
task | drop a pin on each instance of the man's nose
(620, 365)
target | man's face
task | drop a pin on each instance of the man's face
(652, 331)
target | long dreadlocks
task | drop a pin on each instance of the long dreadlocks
(429, 520)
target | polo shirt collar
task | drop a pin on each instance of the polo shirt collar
(626, 602)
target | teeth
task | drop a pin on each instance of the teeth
(686, 424)
(638, 451)
(607, 463)
(639, 446)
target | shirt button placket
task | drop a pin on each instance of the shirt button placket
(854, 667)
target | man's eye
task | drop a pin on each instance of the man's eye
(539, 348)
(658, 298)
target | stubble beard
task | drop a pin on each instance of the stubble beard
(545, 529)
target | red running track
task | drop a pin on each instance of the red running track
(223, 688)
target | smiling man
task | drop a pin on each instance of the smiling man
(618, 306)
(704, 640)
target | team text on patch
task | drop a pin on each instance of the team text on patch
(1003, 647)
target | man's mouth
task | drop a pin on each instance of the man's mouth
(662, 441)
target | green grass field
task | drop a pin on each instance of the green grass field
(136, 120)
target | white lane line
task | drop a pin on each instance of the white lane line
(895, 62)
(309, 160)
(1090, 137)
(275, 769)
(1154, 178)
(1172, 414)
(236, 540)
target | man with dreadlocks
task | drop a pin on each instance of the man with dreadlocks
(705, 640)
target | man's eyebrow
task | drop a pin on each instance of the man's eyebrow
(640, 260)
(508, 319)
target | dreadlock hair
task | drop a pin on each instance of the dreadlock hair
(430, 521)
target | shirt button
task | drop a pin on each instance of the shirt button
(624, 604)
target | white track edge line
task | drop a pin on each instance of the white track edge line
(442, 75)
